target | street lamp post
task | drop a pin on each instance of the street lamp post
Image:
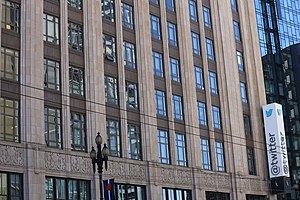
(99, 158)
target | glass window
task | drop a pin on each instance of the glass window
(10, 16)
(129, 55)
(220, 157)
(206, 17)
(216, 117)
(154, 1)
(75, 36)
(9, 120)
(178, 194)
(217, 196)
(205, 153)
(236, 29)
(255, 197)
(9, 64)
(175, 69)
(132, 192)
(193, 10)
(157, 61)
(199, 78)
(240, 61)
(247, 125)
(134, 142)
(177, 107)
(163, 147)
(202, 113)
(127, 16)
(52, 74)
(155, 27)
(62, 189)
(76, 81)
(210, 52)
(213, 82)
(113, 137)
(75, 4)
(108, 10)
(170, 5)
(53, 127)
(172, 34)
(243, 92)
(78, 133)
(111, 90)
(109, 47)
(181, 159)
(251, 161)
(11, 186)
(51, 29)
(196, 43)
(132, 95)
(160, 101)
(233, 5)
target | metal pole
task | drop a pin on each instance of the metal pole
(101, 187)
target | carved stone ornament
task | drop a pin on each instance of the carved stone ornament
(55, 161)
(184, 177)
(80, 164)
(168, 175)
(215, 181)
(126, 171)
(11, 156)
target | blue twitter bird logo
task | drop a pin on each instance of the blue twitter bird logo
(269, 112)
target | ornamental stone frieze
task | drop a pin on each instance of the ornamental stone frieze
(55, 161)
(11, 156)
(80, 164)
(215, 181)
(175, 176)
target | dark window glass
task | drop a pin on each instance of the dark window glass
(243, 92)
(176, 194)
(181, 159)
(251, 161)
(127, 16)
(172, 34)
(53, 127)
(233, 5)
(129, 55)
(155, 27)
(108, 10)
(51, 29)
(11, 186)
(210, 52)
(163, 147)
(130, 192)
(109, 47)
(217, 196)
(175, 69)
(52, 74)
(9, 64)
(9, 120)
(196, 43)
(10, 16)
(220, 161)
(247, 125)
(213, 82)
(205, 152)
(134, 142)
(170, 5)
(75, 4)
(193, 10)
(216, 117)
(154, 1)
(199, 78)
(113, 137)
(157, 61)
(255, 197)
(206, 17)
(132, 95)
(160, 100)
(76, 81)
(240, 61)
(202, 114)
(236, 29)
(75, 36)
(177, 107)
(78, 133)
(111, 90)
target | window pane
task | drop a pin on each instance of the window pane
(76, 81)
(134, 142)
(78, 136)
(51, 28)
(175, 69)
(163, 147)
(220, 157)
(181, 159)
(108, 10)
(177, 107)
(52, 127)
(132, 95)
(160, 103)
(155, 27)
(111, 90)
(9, 64)
(127, 16)
(157, 62)
(202, 114)
(205, 151)
(216, 117)
(199, 78)
(113, 137)
(75, 36)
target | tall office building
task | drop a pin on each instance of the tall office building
(278, 24)
(174, 87)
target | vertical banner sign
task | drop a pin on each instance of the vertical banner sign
(275, 141)
(109, 189)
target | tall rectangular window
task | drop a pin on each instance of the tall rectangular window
(247, 125)
(157, 61)
(199, 78)
(251, 161)
(76, 81)
(11, 186)
(163, 147)
(233, 5)
(181, 159)
(172, 34)
(240, 60)
(210, 52)
(134, 142)
(108, 10)
(243, 92)
(53, 134)
(127, 16)
(217, 196)
(193, 10)
(213, 82)
(132, 95)
(170, 5)
(236, 29)
(202, 113)
(60, 188)
(206, 17)
(111, 90)
(178, 194)
(205, 153)
(51, 28)
(51, 74)
(109, 47)
(175, 69)
(129, 55)
(78, 133)
(75, 4)
(160, 100)
(9, 120)
(216, 117)
(196, 43)
(9, 64)
(155, 27)
(124, 192)
(177, 107)
(75, 36)
(220, 163)
(113, 137)
(10, 16)
(154, 2)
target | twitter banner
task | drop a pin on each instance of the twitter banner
(275, 141)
